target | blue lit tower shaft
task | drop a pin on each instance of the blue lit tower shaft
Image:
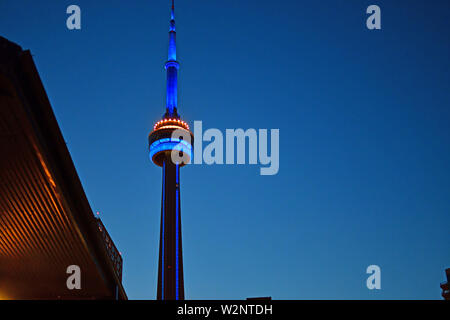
(170, 271)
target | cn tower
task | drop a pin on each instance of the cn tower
(171, 136)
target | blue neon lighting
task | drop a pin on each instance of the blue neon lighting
(177, 237)
(170, 144)
(172, 44)
(172, 85)
(163, 227)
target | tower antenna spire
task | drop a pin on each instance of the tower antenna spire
(172, 13)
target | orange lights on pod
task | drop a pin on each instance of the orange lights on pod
(170, 123)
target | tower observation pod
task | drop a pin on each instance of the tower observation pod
(170, 147)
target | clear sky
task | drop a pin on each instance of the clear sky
(364, 138)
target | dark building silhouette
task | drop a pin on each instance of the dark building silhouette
(445, 285)
(46, 222)
(170, 136)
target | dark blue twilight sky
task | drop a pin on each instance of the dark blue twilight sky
(364, 128)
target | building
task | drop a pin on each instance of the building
(46, 222)
(170, 147)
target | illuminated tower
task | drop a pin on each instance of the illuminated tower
(163, 145)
